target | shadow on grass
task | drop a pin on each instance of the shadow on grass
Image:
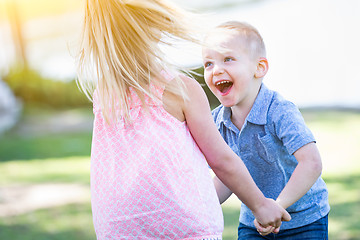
(47, 146)
(61, 223)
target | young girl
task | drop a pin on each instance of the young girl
(153, 130)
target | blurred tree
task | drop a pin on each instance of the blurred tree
(32, 88)
(16, 28)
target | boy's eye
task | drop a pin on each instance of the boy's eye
(228, 59)
(207, 64)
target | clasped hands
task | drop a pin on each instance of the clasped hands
(269, 217)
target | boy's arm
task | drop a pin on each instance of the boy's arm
(223, 161)
(222, 191)
(304, 176)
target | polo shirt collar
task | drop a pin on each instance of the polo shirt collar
(223, 116)
(259, 110)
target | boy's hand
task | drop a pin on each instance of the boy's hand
(270, 213)
(263, 231)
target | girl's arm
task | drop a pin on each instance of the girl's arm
(229, 168)
(304, 176)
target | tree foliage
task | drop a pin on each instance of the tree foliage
(29, 86)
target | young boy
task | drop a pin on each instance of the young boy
(267, 132)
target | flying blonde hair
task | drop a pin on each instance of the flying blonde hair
(120, 49)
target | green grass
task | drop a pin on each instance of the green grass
(59, 158)
(64, 158)
(70, 222)
(49, 170)
(46, 158)
(42, 147)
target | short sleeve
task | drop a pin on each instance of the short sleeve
(290, 127)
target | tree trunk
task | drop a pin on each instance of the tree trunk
(16, 28)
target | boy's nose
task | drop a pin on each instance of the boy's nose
(217, 70)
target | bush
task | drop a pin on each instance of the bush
(32, 88)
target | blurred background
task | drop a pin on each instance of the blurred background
(45, 121)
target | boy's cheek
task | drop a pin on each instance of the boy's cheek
(206, 81)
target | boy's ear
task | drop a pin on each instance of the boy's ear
(262, 68)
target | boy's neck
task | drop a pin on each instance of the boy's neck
(241, 111)
(238, 115)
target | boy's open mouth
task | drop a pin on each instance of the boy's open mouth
(223, 86)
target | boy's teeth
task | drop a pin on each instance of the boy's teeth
(223, 86)
(222, 82)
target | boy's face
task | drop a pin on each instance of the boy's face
(229, 70)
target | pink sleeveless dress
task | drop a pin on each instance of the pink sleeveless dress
(149, 180)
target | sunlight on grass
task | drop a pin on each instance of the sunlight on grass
(337, 135)
(70, 169)
(347, 195)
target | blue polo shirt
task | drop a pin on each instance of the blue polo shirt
(273, 130)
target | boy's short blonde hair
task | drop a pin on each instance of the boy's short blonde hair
(250, 36)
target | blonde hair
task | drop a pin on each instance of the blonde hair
(250, 35)
(120, 49)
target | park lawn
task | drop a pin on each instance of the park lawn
(65, 158)
(60, 158)
(68, 222)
